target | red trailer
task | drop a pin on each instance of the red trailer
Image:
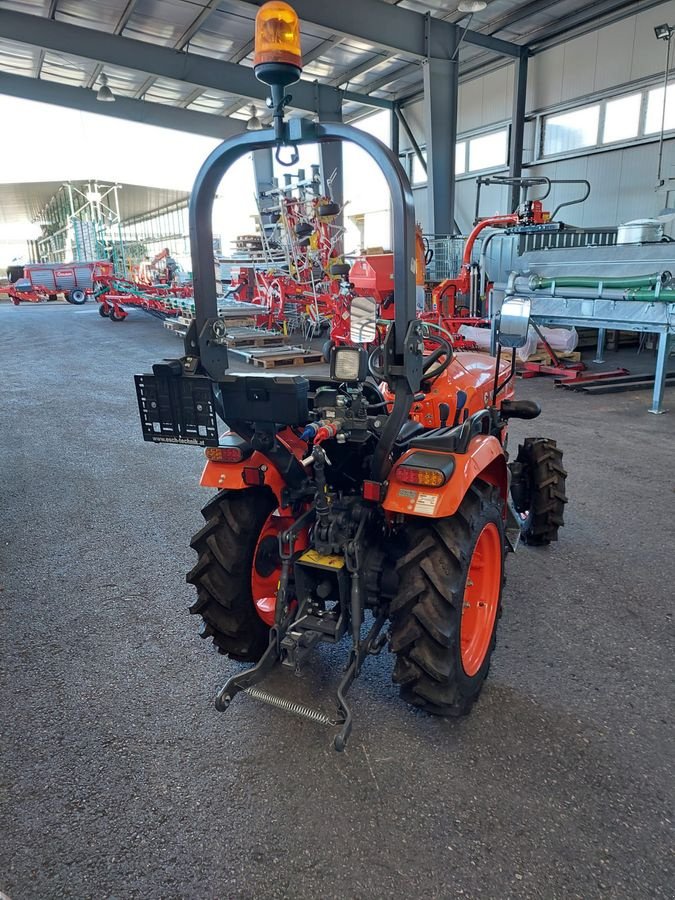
(43, 281)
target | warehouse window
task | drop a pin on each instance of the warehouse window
(655, 110)
(460, 158)
(622, 118)
(419, 176)
(488, 151)
(571, 130)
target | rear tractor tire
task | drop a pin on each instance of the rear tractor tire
(444, 617)
(222, 576)
(542, 498)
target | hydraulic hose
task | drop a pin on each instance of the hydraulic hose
(540, 282)
(666, 295)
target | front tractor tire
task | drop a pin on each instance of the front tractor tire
(222, 576)
(444, 617)
(542, 497)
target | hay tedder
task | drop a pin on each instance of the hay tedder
(370, 507)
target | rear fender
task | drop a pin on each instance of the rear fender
(484, 459)
(230, 476)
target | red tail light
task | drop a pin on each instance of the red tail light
(224, 454)
(422, 477)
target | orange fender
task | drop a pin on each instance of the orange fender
(230, 476)
(484, 459)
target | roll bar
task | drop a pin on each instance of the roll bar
(299, 131)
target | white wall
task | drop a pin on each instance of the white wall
(618, 56)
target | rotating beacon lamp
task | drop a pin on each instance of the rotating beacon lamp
(278, 58)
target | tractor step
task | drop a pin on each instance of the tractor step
(290, 706)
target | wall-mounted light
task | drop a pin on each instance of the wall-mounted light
(664, 32)
(104, 93)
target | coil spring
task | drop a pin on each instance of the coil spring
(296, 709)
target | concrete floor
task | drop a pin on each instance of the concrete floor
(120, 780)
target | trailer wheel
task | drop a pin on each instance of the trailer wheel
(223, 575)
(114, 317)
(77, 297)
(104, 310)
(538, 489)
(444, 617)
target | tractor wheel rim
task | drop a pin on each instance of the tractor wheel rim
(481, 599)
(266, 568)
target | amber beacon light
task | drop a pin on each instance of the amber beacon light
(278, 57)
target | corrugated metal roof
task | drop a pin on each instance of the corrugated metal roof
(224, 30)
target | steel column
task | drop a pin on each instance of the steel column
(518, 124)
(263, 171)
(330, 154)
(395, 132)
(441, 84)
(662, 355)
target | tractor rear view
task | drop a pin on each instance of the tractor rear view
(370, 507)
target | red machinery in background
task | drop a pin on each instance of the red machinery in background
(43, 281)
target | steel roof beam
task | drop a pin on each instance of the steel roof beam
(399, 30)
(143, 56)
(123, 108)
(354, 72)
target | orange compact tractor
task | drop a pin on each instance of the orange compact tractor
(370, 507)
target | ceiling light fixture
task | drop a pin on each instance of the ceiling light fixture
(471, 6)
(254, 123)
(104, 93)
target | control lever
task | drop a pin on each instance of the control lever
(444, 413)
(461, 403)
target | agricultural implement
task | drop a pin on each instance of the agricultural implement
(370, 507)
(43, 281)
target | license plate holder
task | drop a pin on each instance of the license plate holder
(177, 409)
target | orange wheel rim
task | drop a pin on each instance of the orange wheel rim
(266, 568)
(481, 599)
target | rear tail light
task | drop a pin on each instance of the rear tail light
(224, 454)
(423, 477)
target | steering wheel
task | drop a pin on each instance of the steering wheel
(431, 368)
(444, 349)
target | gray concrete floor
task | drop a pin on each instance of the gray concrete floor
(120, 780)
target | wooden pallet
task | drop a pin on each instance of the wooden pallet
(543, 357)
(253, 337)
(178, 328)
(273, 358)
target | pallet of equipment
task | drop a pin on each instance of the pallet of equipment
(274, 357)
